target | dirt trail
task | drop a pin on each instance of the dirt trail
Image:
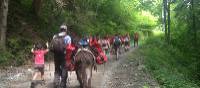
(124, 73)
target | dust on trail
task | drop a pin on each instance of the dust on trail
(124, 73)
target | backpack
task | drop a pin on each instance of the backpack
(116, 41)
(126, 39)
(58, 44)
(83, 42)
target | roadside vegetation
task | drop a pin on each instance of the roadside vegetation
(170, 66)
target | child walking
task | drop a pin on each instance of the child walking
(39, 53)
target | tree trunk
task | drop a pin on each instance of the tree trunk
(169, 20)
(194, 30)
(164, 17)
(37, 4)
(3, 22)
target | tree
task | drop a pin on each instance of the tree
(193, 21)
(168, 19)
(165, 17)
(37, 4)
(3, 22)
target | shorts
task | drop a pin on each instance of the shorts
(116, 44)
(39, 68)
(126, 43)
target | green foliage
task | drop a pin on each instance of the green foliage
(185, 32)
(5, 58)
(94, 17)
(169, 65)
(19, 54)
(177, 65)
(104, 17)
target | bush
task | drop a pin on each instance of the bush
(5, 58)
(171, 67)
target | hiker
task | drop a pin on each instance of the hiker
(61, 44)
(39, 53)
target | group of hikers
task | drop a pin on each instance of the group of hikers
(108, 42)
(66, 51)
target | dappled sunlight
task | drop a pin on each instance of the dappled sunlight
(157, 33)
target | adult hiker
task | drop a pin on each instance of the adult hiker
(60, 43)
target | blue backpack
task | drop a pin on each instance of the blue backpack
(116, 40)
(83, 42)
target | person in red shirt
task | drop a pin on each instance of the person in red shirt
(39, 53)
(101, 57)
(94, 42)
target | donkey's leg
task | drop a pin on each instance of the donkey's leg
(89, 77)
(78, 74)
(84, 76)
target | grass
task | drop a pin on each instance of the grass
(171, 67)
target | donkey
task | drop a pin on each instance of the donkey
(58, 48)
(84, 64)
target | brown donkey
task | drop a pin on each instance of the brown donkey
(84, 64)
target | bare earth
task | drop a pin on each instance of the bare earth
(128, 72)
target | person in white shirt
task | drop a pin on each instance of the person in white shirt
(61, 40)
